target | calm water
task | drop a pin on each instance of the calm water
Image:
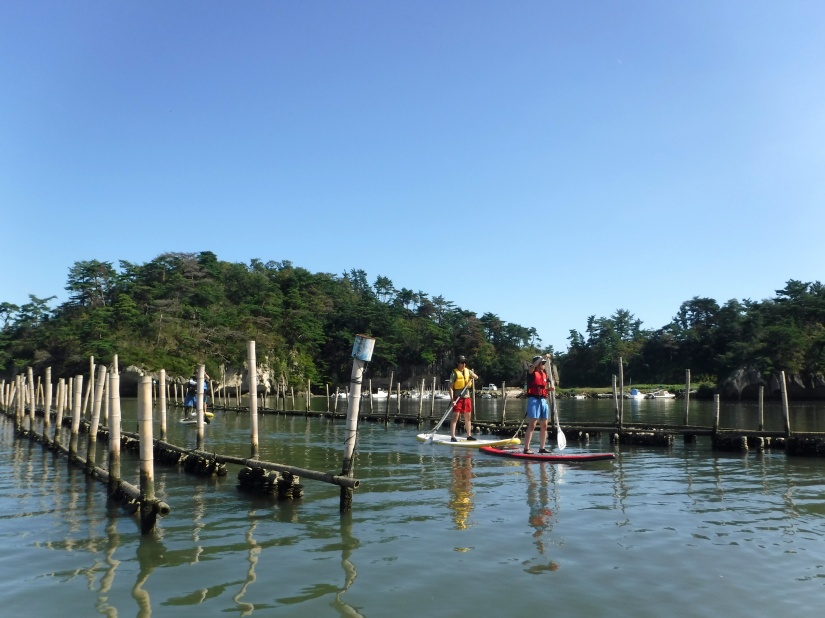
(434, 531)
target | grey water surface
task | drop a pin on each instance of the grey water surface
(434, 531)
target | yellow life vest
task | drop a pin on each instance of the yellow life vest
(460, 379)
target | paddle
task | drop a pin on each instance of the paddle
(449, 409)
(560, 439)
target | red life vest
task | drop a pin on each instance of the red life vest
(537, 387)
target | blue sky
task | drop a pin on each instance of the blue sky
(543, 161)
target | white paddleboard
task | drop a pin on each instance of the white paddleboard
(444, 438)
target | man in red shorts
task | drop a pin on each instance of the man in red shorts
(461, 380)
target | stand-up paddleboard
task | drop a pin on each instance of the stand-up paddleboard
(517, 453)
(444, 438)
(193, 419)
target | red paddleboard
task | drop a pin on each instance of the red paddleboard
(518, 453)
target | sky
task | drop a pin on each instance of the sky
(543, 161)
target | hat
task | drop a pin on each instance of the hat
(460, 359)
(536, 358)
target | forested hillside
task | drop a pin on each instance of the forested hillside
(180, 310)
(785, 333)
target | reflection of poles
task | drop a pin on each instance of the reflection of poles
(362, 353)
(150, 554)
(348, 544)
(254, 551)
(540, 519)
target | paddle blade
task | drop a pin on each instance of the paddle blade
(561, 440)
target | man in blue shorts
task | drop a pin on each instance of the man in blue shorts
(537, 409)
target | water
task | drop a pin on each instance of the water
(434, 531)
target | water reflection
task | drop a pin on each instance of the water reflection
(461, 490)
(348, 544)
(150, 554)
(542, 500)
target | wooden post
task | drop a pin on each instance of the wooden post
(76, 411)
(761, 425)
(114, 431)
(94, 421)
(335, 403)
(718, 406)
(421, 400)
(397, 401)
(147, 464)
(309, 390)
(370, 393)
(292, 395)
(252, 362)
(327, 387)
(162, 401)
(616, 404)
(199, 404)
(687, 395)
(361, 353)
(786, 411)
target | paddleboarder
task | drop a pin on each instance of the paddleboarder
(460, 378)
(537, 409)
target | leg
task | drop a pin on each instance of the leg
(528, 435)
(543, 434)
(468, 423)
(453, 424)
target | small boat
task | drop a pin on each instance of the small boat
(378, 394)
(660, 394)
(634, 394)
(343, 396)
(580, 396)
(441, 395)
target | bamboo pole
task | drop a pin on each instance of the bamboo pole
(432, 400)
(114, 431)
(77, 409)
(761, 408)
(147, 464)
(718, 406)
(47, 401)
(94, 421)
(327, 387)
(362, 354)
(370, 393)
(58, 420)
(421, 400)
(90, 387)
(199, 404)
(621, 392)
(616, 404)
(786, 411)
(32, 398)
(162, 391)
(252, 362)
(687, 396)
(503, 399)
